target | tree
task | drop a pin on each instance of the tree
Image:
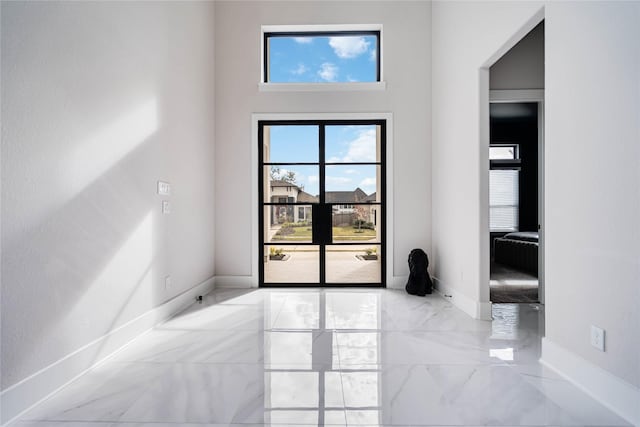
(361, 216)
(290, 176)
(282, 175)
(274, 173)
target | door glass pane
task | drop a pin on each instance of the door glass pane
(287, 223)
(290, 184)
(290, 144)
(297, 264)
(352, 144)
(348, 184)
(353, 263)
(355, 223)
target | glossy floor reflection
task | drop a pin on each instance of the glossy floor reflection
(327, 357)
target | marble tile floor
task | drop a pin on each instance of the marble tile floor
(299, 357)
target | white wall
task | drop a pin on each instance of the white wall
(406, 51)
(523, 66)
(466, 35)
(592, 205)
(593, 176)
(99, 101)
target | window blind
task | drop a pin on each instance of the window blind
(503, 200)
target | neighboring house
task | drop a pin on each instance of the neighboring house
(346, 200)
(373, 210)
(344, 204)
(349, 206)
(287, 192)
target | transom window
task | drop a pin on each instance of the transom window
(504, 152)
(315, 56)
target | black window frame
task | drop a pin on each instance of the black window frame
(267, 34)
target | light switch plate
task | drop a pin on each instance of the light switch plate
(164, 188)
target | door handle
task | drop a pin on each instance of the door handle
(328, 224)
(316, 234)
(321, 224)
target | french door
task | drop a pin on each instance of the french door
(322, 203)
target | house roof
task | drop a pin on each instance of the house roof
(281, 183)
(305, 197)
(371, 198)
(338, 196)
(345, 197)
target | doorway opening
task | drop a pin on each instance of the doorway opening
(321, 207)
(514, 201)
(516, 172)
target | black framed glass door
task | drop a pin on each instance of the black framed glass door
(322, 203)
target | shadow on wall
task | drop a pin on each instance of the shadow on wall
(87, 267)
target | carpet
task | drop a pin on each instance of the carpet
(508, 285)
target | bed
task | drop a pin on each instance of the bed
(518, 250)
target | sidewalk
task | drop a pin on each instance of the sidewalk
(342, 266)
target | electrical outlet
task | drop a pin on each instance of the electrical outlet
(167, 282)
(597, 337)
(166, 207)
(164, 188)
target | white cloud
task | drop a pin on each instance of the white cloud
(303, 40)
(373, 55)
(348, 47)
(337, 180)
(328, 72)
(363, 148)
(313, 179)
(300, 70)
(351, 171)
(368, 182)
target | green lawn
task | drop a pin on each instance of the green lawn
(339, 233)
(350, 233)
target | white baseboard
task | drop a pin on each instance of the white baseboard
(614, 393)
(397, 282)
(240, 282)
(476, 309)
(484, 310)
(247, 282)
(21, 397)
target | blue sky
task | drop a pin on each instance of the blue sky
(296, 144)
(322, 59)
